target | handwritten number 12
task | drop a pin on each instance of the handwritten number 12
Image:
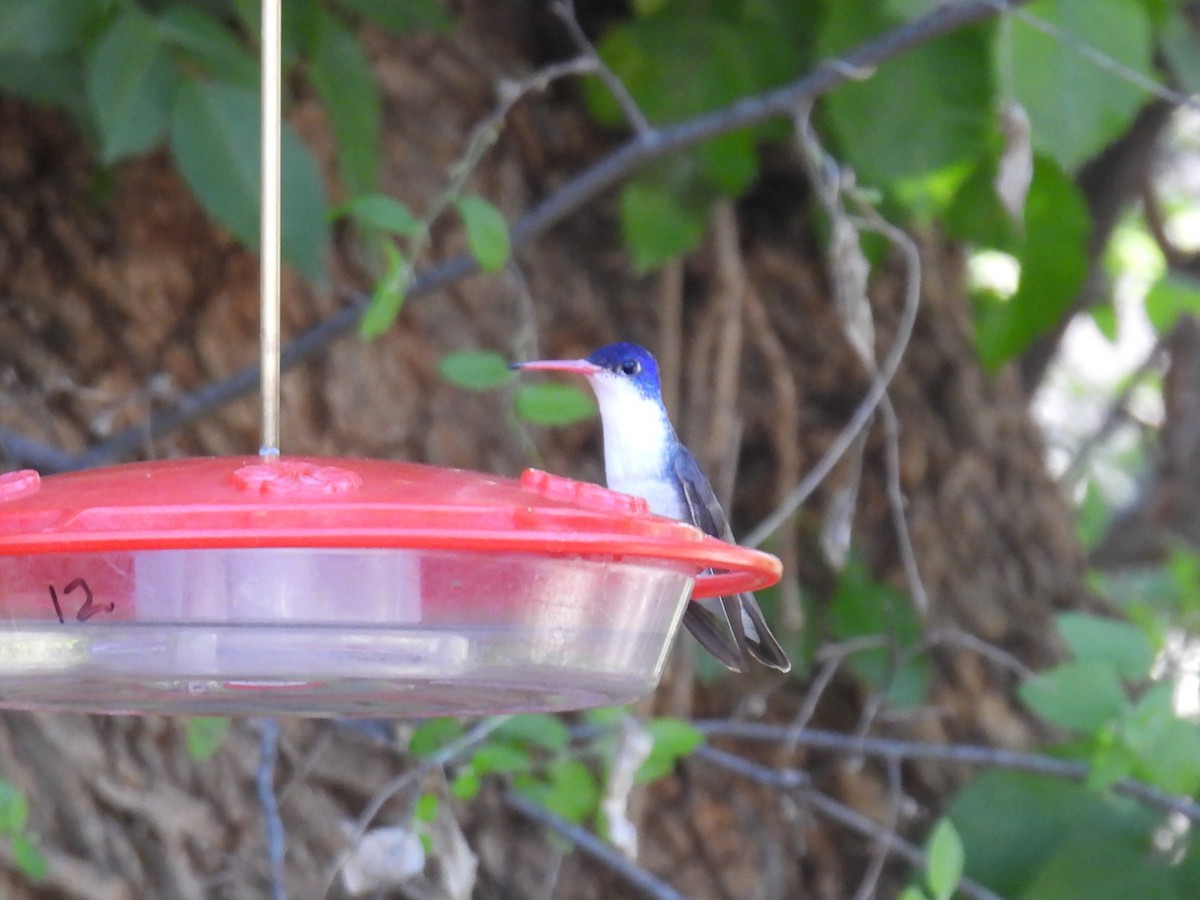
(88, 609)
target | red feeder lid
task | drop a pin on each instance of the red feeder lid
(234, 502)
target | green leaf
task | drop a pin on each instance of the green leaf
(475, 370)
(130, 84)
(553, 403)
(1111, 760)
(1169, 298)
(863, 607)
(1092, 514)
(427, 807)
(204, 735)
(658, 225)
(682, 59)
(429, 737)
(1102, 868)
(568, 789)
(907, 9)
(913, 893)
(673, 740)
(536, 729)
(1178, 44)
(1053, 258)
(1105, 318)
(29, 858)
(388, 296)
(1076, 107)
(205, 40)
(14, 808)
(382, 213)
(605, 716)
(730, 161)
(679, 59)
(1172, 762)
(1164, 749)
(466, 785)
(342, 76)
(45, 27)
(945, 854)
(923, 111)
(1122, 645)
(487, 232)
(573, 790)
(1011, 823)
(693, 57)
(499, 757)
(51, 80)
(401, 16)
(301, 22)
(215, 139)
(1081, 696)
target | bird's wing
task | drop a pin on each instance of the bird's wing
(703, 507)
(712, 633)
(706, 514)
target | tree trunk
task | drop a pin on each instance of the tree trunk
(114, 306)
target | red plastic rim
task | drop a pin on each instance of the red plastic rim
(231, 502)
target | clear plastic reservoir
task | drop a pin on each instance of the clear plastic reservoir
(332, 631)
(317, 586)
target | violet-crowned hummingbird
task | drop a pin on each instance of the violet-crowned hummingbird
(643, 457)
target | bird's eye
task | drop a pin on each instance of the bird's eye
(630, 367)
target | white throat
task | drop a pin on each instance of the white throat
(638, 438)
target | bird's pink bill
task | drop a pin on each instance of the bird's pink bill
(574, 366)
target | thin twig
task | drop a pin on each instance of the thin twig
(998, 655)
(910, 853)
(867, 406)
(785, 425)
(646, 883)
(882, 849)
(265, 783)
(444, 755)
(1115, 414)
(964, 754)
(898, 504)
(791, 781)
(630, 158)
(565, 10)
(849, 272)
(1101, 59)
(831, 658)
(20, 450)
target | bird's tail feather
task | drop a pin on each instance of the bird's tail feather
(758, 639)
(707, 628)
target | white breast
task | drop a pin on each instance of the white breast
(637, 440)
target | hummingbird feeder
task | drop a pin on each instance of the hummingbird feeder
(270, 584)
(319, 586)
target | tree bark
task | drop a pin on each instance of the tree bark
(111, 308)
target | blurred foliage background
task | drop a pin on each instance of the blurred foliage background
(991, 596)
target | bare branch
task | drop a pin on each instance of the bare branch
(796, 783)
(1116, 415)
(965, 754)
(633, 156)
(565, 10)
(588, 843)
(866, 408)
(908, 556)
(1103, 60)
(265, 783)
(446, 754)
(883, 848)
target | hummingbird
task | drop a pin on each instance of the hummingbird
(644, 457)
